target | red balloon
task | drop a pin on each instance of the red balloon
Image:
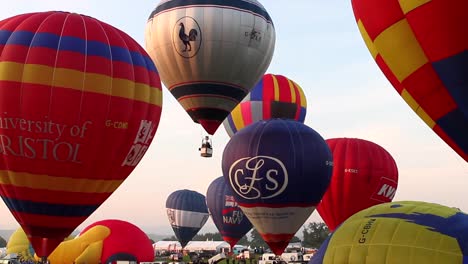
(126, 241)
(364, 174)
(80, 102)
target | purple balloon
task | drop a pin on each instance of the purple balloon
(225, 212)
(278, 170)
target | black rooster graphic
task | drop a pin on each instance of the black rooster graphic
(192, 36)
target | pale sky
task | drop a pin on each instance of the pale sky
(319, 47)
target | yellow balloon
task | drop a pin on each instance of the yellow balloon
(19, 244)
(399, 232)
(85, 248)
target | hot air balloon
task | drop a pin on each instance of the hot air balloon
(275, 96)
(225, 212)
(278, 170)
(421, 47)
(364, 174)
(19, 244)
(80, 102)
(105, 241)
(187, 214)
(210, 53)
(399, 232)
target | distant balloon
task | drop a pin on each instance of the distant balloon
(210, 53)
(225, 212)
(399, 232)
(187, 214)
(80, 102)
(279, 170)
(275, 96)
(421, 46)
(364, 174)
(18, 243)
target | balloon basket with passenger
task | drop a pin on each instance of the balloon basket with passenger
(206, 149)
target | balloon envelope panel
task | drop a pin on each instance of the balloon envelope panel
(399, 232)
(422, 48)
(225, 212)
(275, 96)
(80, 102)
(210, 53)
(364, 174)
(279, 170)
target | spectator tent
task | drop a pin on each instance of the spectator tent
(192, 246)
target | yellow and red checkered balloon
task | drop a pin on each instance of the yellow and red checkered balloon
(422, 48)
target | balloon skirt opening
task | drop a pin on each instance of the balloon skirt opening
(44, 246)
(210, 126)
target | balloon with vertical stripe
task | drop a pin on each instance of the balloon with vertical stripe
(80, 102)
(278, 170)
(187, 213)
(422, 48)
(210, 53)
(275, 96)
(364, 174)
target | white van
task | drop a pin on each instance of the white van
(286, 257)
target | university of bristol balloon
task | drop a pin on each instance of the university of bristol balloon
(80, 102)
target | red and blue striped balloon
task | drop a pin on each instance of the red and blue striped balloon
(80, 102)
(279, 170)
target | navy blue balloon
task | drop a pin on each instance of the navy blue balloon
(187, 213)
(278, 170)
(320, 254)
(226, 214)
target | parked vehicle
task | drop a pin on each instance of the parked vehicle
(285, 258)
(217, 258)
(308, 256)
(201, 257)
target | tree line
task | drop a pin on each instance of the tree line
(313, 236)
